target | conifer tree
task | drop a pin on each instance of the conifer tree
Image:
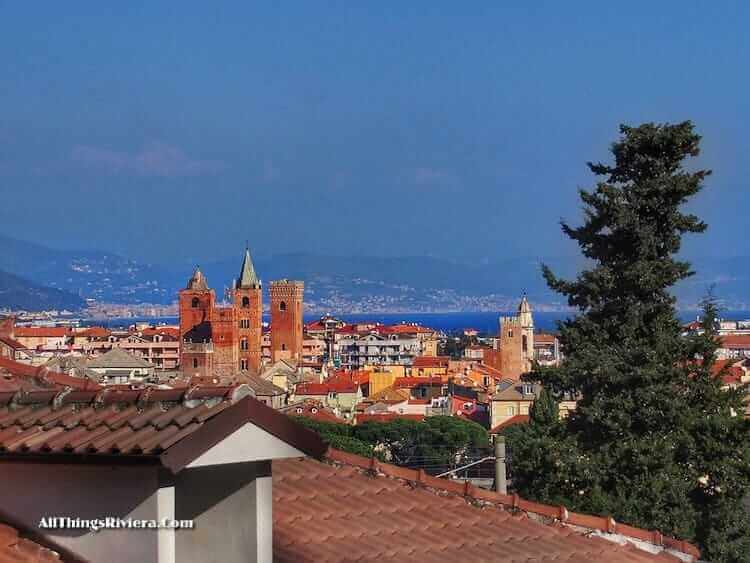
(630, 448)
(721, 448)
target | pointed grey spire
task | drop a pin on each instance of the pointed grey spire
(248, 278)
(197, 281)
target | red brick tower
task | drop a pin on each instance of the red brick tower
(247, 302)
(286, 320)
(196, 336)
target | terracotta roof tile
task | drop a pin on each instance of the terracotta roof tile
(327, 512)
(15, 548)
(41, 331)
(739, 341)
(143, 422)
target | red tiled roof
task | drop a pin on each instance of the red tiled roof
(16, 548)
(168, 331)
(45, 377)
(431, 362)
(13, 344)
(336, 513)
(311, 409)
(544, 338)
(41, 331)
(95, 332)
(325, 388)
(173, 426)
(513, 420)
(741, 341)
(360, 377)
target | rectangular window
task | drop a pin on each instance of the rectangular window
(511, 411)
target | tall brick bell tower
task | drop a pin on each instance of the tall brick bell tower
(247, 301)
(197, 303)
(286, 320)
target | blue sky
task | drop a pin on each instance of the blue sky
(174, 132)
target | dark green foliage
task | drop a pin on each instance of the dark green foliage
(648, 417)
(544, 411)
(438, 440)
(454, 346)
(720, 448)
(339, 436)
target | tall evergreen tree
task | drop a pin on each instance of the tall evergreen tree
(629, 449)
(721, 448)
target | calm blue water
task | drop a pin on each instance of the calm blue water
(448, 322)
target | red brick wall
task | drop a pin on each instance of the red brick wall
(286, 320)
(191, 316)
(224, 329)
(248, 307)
(512, 363)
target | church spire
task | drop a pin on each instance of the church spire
(197, 281)
(524, 312)
(248, 278)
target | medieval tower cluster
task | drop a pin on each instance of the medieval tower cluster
(516, 342)
(224, 340)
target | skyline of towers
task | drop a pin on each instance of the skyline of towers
(226, 339)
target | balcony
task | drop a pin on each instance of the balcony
(197, 347)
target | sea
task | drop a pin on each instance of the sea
(450, 323)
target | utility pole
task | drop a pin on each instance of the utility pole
(501, 485)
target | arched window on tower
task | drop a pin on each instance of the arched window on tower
(243, 344)
(245, 302)
(195, 303)
(283, 346)
(524, 343)
(282, 306)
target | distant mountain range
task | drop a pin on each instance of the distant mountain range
(20, 293)
(336, 284)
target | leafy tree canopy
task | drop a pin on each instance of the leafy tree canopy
(642, 440)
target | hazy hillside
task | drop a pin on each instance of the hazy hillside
(343, 283)
(94, 274)
(20, 293)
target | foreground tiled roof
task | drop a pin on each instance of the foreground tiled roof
(10, 343)
(171, 426)
(40, 376)
(324, 512)
(15, 548)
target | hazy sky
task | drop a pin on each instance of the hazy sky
(457, 129)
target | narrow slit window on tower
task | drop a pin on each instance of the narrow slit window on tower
(195, 303)
(282, 306)
(195, 363)
(243, 344)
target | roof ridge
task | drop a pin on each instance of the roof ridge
(604, 526)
